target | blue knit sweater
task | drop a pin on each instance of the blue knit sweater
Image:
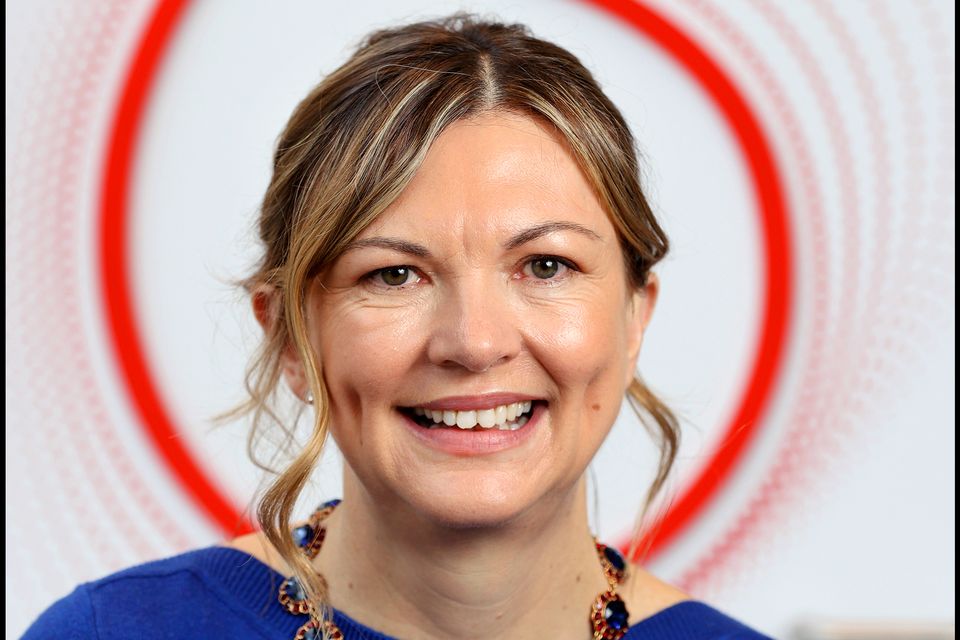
(224, 593)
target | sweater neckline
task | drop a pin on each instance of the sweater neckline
(254, 584)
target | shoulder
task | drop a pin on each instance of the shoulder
(70, 618)
(173, 597)
(661, 611)
(257, 546)
(647, 595)
(692, 620)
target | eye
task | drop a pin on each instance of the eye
(546, 267)
(393, 277)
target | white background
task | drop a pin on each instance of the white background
(844, 507)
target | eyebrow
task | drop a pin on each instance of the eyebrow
(519, 239)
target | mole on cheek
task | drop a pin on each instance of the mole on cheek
(596, 407)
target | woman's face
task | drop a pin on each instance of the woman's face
(495, 278)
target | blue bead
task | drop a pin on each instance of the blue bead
(329, 503)
(303, 535)
(616, 615)
(293, 588)
(615, 558)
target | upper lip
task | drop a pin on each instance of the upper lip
(471, 403)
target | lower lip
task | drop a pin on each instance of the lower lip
(467, 442)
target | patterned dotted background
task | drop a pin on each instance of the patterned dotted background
(855, 441)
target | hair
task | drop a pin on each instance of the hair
(349, 150)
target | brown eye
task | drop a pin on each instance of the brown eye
(545, 268)
(395, 276)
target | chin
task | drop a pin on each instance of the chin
(471, 502)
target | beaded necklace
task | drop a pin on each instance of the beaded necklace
(608, 614)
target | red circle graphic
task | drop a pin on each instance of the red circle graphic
(127, 341)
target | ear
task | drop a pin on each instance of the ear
(639, 312)
(267, 302)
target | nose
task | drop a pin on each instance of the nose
(474, 329)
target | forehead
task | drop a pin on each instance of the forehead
(494, 173)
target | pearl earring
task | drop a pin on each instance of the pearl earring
(309, 398)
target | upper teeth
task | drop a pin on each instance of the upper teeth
(486, 418)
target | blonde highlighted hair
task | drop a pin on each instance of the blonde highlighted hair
(351, 147)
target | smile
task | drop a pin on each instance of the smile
(474, 439)
(505, 417)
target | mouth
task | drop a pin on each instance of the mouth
(464, 434)
(508, 417)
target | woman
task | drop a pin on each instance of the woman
(457, 276)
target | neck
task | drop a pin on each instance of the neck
(535, 577)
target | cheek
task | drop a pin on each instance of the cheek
(581, 345)
(583, 349)
(365, 354)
